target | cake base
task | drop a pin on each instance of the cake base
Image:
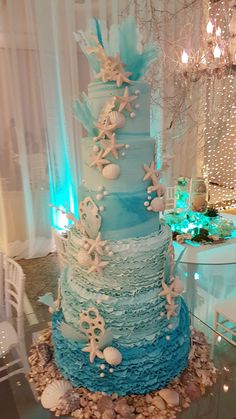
(199, 374)
(144, 368)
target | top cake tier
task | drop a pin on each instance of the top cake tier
(138, 121)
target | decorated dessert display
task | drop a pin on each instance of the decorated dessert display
(119, 325)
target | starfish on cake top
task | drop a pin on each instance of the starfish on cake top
(99, 161)
(111, 146)
(171, 310)
(151, 172)
(97, 244)
(105, 130)
(93, 349)
(168, 291)
(126, 100)
(122, 77)
(97, 265)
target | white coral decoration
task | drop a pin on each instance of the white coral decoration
(93, 326)
(53, 392)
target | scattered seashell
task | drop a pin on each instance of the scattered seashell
(171, 397)
(112, 356)
(109, 414)
(117, 118)
(45, 352)
(53, 392)
(159, 403)
(123, 408)
(186, 376)
(105, 403)
(84, 259)
(111, 171)
(68, 403)
(193, 391)
(157, 205)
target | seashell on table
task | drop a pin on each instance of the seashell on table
(53, 392)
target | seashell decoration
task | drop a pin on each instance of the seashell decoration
(171, 397)
(53, 392)
(157, 205)
(92, 324)
(111, 171)
(84, 259)
(112, 356)
(45, 353)
(117, 118)
(90, 217)
(68, 403)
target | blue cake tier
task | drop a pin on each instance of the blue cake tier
(100, 93)
(127, 293)
(140, 151)
(124, 214)
(144, 367)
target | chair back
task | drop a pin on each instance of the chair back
(14, 281)
(61, 248)
(170, 198)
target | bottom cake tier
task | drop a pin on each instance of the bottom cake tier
(143, 368)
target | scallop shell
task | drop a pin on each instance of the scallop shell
(111, 171)
(84, 259)
(171, 397)
(157, 205)
(112, 356)
(117, 118)
(53, 392)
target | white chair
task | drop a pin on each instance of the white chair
(170, 198)
(225, 321)
(61, 248)
(12, 343)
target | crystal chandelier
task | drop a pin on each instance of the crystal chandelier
(216, 57)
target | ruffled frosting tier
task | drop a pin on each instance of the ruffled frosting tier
(143, 368)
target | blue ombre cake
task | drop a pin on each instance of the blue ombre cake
(122, 326)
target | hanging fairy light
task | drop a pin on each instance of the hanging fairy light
(220, 115)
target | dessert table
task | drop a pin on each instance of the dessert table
(209, 273)
(18, 401)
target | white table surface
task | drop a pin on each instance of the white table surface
(215, 254)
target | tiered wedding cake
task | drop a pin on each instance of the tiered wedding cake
(122, 325)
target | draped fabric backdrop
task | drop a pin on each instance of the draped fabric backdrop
(42, 71)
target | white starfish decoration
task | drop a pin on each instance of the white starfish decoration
(97, 245)
(122, 77)
(105, 130)
(99, 161)
(93, 349)
(111, 146)
(97, 265)
(168, 291)
(151, 172)
(116, 63)
(171, 310)
(126, 100)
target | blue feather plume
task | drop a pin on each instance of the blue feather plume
(136, 62)
(122, 39)
(82, 110)
(97, 31)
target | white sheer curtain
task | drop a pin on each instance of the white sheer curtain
(38, 137)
